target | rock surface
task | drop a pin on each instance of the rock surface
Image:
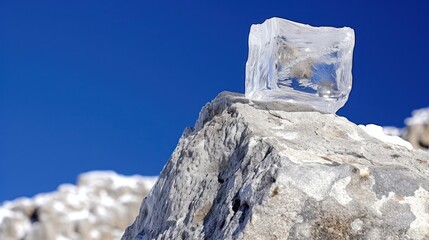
(101, 206)
(416, 130)
(253, 170)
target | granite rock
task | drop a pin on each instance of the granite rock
(273, 170)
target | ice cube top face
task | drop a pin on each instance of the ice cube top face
(299, 63)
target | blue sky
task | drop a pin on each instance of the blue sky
(88, 85)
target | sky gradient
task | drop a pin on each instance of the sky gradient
(90, 85)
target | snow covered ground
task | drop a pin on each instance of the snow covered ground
(100, 206)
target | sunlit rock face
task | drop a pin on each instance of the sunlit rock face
(276, 170)
(99, 207)
(300, 63)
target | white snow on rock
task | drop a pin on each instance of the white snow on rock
(100, 206)
(377, 132)
(275, 170)
(392, 131)
(419, 116)
(416, 131)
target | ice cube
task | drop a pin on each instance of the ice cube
(300, 63)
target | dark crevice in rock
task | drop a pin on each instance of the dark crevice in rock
(268, 152)
(185, 235)
(353, 154)
(423, 145)
(34, 217)
(244, 208)
(236, 205)
(220, 180)
(222, 224)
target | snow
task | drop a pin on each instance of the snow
(102, 201)
(96, 178)
(4, 213)
(377, 132)
(419, 116)
(392, 131)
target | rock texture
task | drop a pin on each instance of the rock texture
(253, 170)
(416, 130)
(418, 135)
(101, 206)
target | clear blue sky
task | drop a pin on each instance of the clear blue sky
(88, 85)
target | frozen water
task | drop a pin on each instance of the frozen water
(300, 63)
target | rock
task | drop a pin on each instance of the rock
(101, 206)
(418, 135)
(272, 170)
(416, 131)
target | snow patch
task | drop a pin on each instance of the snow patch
(419, 116)
(393, 131)
(103, 203)
(377, 132)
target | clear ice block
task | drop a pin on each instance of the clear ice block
(300, 63)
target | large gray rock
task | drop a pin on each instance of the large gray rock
(253, 170)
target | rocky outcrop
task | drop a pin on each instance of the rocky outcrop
(416, 131)
(101, 206)
(254, 170)
(418, 136)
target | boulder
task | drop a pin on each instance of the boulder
(276, 170)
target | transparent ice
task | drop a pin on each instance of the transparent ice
(300, 63)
